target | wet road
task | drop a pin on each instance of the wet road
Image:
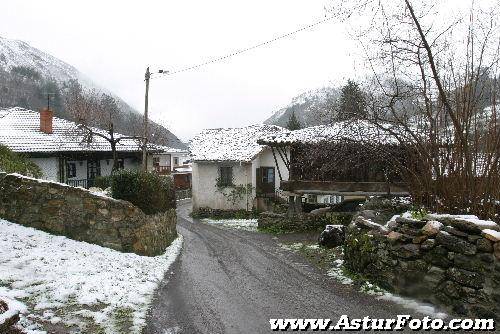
(233, 281)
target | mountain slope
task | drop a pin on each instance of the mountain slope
(314, 107)
(27, 74)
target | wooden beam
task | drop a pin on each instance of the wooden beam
(277, 166)
(284, 158)
(345, 188)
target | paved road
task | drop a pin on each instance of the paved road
(233, 281)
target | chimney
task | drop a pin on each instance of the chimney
(46, 116)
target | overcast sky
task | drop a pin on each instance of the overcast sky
(112, 42)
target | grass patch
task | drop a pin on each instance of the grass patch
(216, 214)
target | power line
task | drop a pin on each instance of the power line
(218, 59)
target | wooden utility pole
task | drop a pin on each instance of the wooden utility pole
(146, 121)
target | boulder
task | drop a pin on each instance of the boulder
(432, 227)
(332, 236)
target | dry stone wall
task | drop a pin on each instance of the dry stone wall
(446, 260)
(80, 215)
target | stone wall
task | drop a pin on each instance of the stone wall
(449, 261)
(80, 215)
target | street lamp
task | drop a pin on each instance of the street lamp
(147, 76)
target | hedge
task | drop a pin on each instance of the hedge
(151, 192)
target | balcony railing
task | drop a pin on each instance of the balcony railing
(84, 183)
(163, 170)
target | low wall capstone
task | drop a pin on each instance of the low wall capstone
(80, 215)
(450, 261)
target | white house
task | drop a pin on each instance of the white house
(230, 170)
(59, 149)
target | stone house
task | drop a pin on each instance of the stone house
(232, 171)
(59, 149)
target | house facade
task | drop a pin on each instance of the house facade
(231, 171)
(58, 147)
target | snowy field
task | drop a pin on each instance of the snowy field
(240, 224)
(59, 282)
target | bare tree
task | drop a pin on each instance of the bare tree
(429, 69)
(96, 113)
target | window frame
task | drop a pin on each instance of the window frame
(70, 170)
(225, 178)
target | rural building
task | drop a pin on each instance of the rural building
(58, 147)
(342, 160)
(232, 171)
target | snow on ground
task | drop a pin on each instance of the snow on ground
(61, 280)
(239, 224)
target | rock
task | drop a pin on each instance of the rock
(367, 214)
(428, 244)
(409, 251)
(465, 226)
(496, 250)
(432, 227)
(486, 258)
(484, 245)
(455, 244)
(455, 232)
(434, 276)
(472, 263)
(474, 225)
(394, 236)
(473, 238)
(320, 211)
(438, 256)
(466, 277)
(420, 239)
(332, 236)
(366, 223)
(491, 235)
(413, 223)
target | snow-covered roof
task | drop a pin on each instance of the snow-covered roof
(230, 144)
(171, 150)
(358, 131)
(20, 131)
